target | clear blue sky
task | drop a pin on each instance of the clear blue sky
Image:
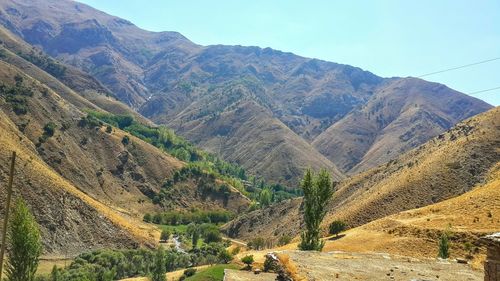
(386, 37)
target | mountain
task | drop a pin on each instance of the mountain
(446, 166)
(87, 187)
(399, 116)
(354, 118)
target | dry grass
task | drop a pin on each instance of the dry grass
(290, 267)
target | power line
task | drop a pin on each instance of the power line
(482, 91)
(458, 67)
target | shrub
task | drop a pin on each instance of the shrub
(336, 227)
(165, 235)
(189, 272)
(235, 251)
(285, 239)
(125, 140)
(109, 129)
(147, 217)
(248, 260)
(49, 129)
(224, 256)
(270, 264)
(257, 243)
(212, 235)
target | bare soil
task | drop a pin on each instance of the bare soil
(355, 266)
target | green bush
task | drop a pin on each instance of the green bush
(165, 235)
(336, 227)
(125, 140)
(147, 217)
(248, 260)
(189, 272)
(49, 129)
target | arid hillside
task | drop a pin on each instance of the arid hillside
(93, 187)
(415, 232)
(400, 115)
(445, 167)
(356, 119)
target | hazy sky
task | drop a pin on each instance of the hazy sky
(388, 38)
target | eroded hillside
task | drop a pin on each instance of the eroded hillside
(447, 166)
(87, 187)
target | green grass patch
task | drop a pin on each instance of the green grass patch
(214, 273)
(180, 229)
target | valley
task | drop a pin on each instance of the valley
(141, 154)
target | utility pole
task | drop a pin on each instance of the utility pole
(7, 208)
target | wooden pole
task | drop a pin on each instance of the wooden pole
(7, 208)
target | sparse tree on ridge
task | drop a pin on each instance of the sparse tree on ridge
(318, 190)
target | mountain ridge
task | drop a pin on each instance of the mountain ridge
(164, 75)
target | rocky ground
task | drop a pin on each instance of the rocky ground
(355, 266)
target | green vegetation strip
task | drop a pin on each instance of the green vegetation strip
(214, 273)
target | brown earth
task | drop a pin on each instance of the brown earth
(353, 266)
(447, 166)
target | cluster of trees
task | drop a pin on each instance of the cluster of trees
(194, 216)
(200, 163)
(45, 62)
(17, 95)
(107, 265)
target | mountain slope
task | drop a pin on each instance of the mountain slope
(401, 115)
(164, 75)
(444, 167)
(70, 220)
(414, 233)
(87, 188)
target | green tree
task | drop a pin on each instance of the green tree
(193, 230)
(147, 217)
(444, 245)
(337, 227)
(159, 269)
(125, 140)
(248, 260)
(24, 244)
(212, 235)
(265, 197)
(318, 190)
(224, 256)
(55, 275)
(165, 235)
